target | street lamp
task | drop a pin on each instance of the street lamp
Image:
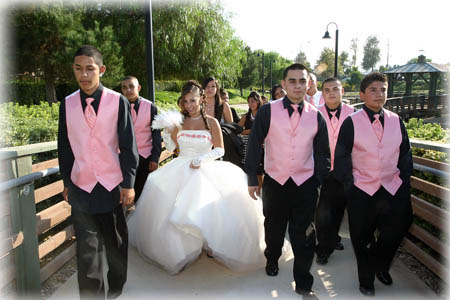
(327, 36)
(262, 73)
(271, 73)
(149, 51)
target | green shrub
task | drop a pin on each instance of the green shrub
(169, 85)
(33, 92)
(429, 132)
(22, 124)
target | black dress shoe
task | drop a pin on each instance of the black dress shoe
(322, 259)
(113, 294)
(339, 246)
(367, 291)
(272, 268)
(384, 277)
(307, 294)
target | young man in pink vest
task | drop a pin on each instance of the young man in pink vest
(148, 141)
(313, 95)
(373, 160)
(332, 201)
(297, 159)
(98, 158)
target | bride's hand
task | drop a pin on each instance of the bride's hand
(194, 165)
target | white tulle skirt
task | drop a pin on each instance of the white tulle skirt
(182, 211)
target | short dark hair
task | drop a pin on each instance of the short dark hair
(295, 66)
(90, 51)
(370, 78)
(331, 79)
(130, 77)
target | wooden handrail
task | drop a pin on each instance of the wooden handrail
(431, 188)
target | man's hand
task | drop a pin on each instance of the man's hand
(252, 190)
(152, 166)
(126, 196)
(65, 194)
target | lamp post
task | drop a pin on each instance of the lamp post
(271, 85)
(327, 36)
(262, 73)
(149, 50)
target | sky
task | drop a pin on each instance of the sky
(288, 26)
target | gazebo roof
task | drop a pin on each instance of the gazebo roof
(419, 67)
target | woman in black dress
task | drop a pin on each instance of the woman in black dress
(254, 103)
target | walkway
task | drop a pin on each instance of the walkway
(206, 279)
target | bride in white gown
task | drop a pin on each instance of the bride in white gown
(195, 202)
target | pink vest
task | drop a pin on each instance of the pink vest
(289, 151)
(142, 129)
(333, 134)
(96, 150)
(375, 162)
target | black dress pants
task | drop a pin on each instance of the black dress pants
(141, 176)
(93, 233)
(293, 206)
(391, 216)
(329, 214)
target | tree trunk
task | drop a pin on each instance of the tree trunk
(50, 91)
(240, 88)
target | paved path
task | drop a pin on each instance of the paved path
(206, 279)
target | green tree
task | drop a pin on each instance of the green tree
(325, 64)
(191, 40)
(355, 78)
(301, 59)
(354, 48)
(371, 53)
(344, 62)
(279, 63)
(46, 37)
(249, 74)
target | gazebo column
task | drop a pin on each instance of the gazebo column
(408, 86)
(390, 85)
(432, 99)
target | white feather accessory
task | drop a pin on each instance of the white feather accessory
(168, 119)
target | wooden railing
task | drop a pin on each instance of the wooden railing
(21, 224)
(20, 251)
(427, 211)
(417, 106)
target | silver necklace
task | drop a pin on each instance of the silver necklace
(196, 118)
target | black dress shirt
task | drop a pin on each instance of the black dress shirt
(337, 110)
(99, 200)
(343, 154)
(260, 128)
(156, 134)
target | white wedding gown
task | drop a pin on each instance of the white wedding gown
(183, 210)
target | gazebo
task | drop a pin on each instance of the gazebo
(412, 72)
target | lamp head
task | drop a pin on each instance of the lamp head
(327, 35)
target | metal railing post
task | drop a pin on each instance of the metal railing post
(23, 220)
